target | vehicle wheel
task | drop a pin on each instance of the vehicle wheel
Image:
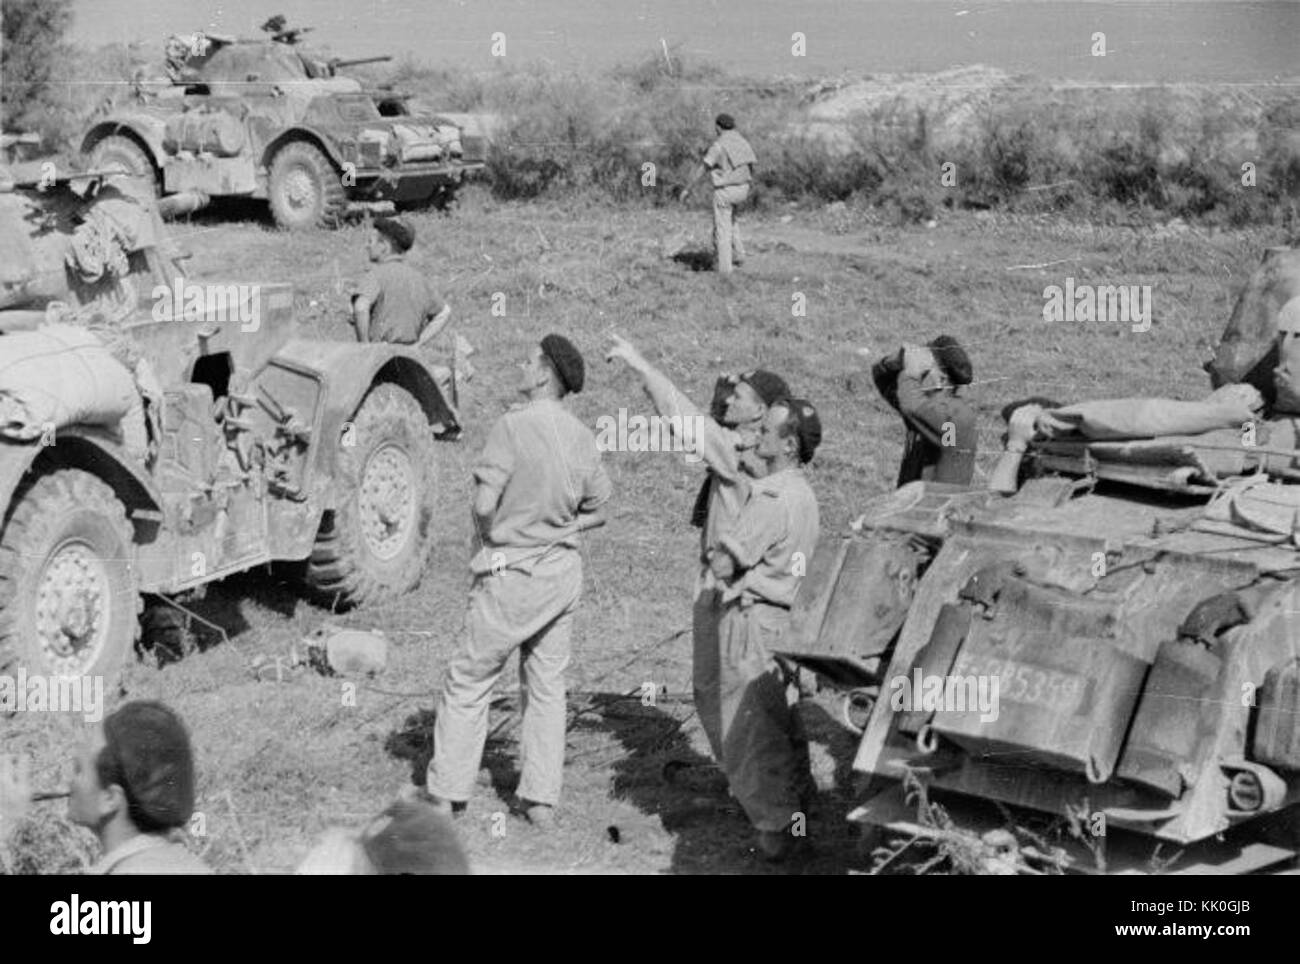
(69, 603)
(374, 544)
(119, 149)
(305, 189)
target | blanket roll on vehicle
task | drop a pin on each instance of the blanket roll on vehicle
(57, 376)
(1228, 407)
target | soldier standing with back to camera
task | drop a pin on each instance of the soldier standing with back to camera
(729, 163)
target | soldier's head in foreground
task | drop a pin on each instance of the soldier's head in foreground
(552, 369)
(389, 237)
(724, 122)
(134, 774)
(410, 837)
(791, 432)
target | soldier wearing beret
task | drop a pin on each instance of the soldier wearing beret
(396, 303)
(922, 384)
(133, 785)
(726, 445)
(538, 483)
(729, 163)
(759, 561)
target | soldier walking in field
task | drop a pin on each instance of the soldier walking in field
(538, 484)
(729, 163)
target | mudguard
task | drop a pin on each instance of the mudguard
(95, 451)
(347, 372)
(302, 133)
(147, 128)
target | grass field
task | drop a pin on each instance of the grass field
(279, 762)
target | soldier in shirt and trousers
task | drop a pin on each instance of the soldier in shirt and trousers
(725, 443)
(729, 162)
(922, 385)
(395, 303)
(538, 483)
(760, 561)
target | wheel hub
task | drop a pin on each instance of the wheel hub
(73, 611)
(387, 501)
(299, 189)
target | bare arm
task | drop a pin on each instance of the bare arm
(361, 317)
(435, 326)
(716, 445)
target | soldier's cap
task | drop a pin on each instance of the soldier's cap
(399, 232)
(567, 361)
(1288, 318)
(767, 385)
(952, 358)
(147, 753)
(411, 837)
(807, 425)
(725, 121)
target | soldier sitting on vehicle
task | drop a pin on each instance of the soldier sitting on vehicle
(396, 303)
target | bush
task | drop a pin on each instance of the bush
(31, 52)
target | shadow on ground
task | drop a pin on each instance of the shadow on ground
(661, 774)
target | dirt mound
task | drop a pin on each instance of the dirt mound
(951, 103)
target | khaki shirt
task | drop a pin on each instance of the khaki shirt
(773, 539)
(148, 853)
(730, 159)
(401, 301)
(546, 466)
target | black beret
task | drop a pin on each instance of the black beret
(399, 232)
(808, 426)
(952, 358)
(147, 753)
(567, 361)
(725, 121)
(769, 386)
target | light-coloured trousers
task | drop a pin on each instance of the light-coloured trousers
(726, 232)
(763, 756)
(509, 610)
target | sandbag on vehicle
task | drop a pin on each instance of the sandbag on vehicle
(60, 375)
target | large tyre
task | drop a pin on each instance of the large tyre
(123, 150)
(375, 543)
(306, 191)
(69, 603)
